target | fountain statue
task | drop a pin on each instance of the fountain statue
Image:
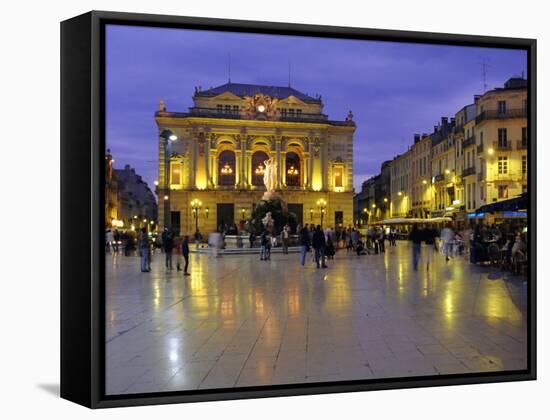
(268, 222)
(270, 179)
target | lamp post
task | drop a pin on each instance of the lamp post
(311, 213)
(321, 205)
(196, 205)
(167, 137)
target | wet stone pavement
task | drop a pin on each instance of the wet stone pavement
(238, 321)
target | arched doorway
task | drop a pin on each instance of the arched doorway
(258, 167)
(293, 167)
(226, 168)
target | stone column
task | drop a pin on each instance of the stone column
(324, 163)
(244, 167)
(162, 182)
(306, 179)
(280, 182)
(194, 163)
(207, 161)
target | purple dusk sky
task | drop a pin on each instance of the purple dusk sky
(393, 89)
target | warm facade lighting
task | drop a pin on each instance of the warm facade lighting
(292, 171)
(166, 197)
(260, 170)
(226, 169)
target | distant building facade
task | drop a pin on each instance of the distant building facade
(137, 204)
(111, 191)
(477, 157)
(213, 173)
(400, 186)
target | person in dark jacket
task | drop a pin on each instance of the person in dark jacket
(318, 242)
(416, 236)
(305, 244)
(185, 254)
(429, 239)
(168, 245)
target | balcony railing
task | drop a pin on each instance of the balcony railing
(521, 144)
(502, 145)
(479, 149)
(494, 114)
(233, 114)
(470, 141)
(469, 171)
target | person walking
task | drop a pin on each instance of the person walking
(197, 236)
(447, 236)
(144, 250)
(429, 239)
(264, 242)
(305, 244)
(177, 251)
(285, 234)
(116, 240)
(168, 245)
(185, 254)
(381, 239)
(416, 238)
(318, 242)
(252, 237)
(109, 239)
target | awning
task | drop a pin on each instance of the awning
(513, 204)
(412, 221)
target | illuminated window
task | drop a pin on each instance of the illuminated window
(338, 176)
(228, 109)
(502, 138)
(258, 167)
(502, 165)
(293, 169)
(502, 107)
(219, 108)
(226, 168)
(235, 109)
(502, 191)
(175, 173)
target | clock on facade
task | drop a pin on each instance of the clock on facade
(261, 108)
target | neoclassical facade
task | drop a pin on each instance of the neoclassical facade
(211, 158)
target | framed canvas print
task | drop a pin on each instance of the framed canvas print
(255, 209)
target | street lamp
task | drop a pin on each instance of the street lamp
(243, 213)
(311, 213)
(167, 138)
(196, 205)
(321, 205)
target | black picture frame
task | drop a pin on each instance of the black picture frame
(82, 215)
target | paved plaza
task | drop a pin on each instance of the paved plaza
(238, 321)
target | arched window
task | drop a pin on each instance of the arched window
(293, 170)
(226, 168)
(258, 167)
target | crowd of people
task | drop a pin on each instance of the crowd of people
(505, 244)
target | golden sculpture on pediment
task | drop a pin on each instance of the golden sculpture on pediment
(261, 107)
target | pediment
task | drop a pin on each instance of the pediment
(292, 100)
(227, 96)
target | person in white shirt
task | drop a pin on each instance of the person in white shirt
(447, 236)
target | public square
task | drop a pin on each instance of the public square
(237, 321)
